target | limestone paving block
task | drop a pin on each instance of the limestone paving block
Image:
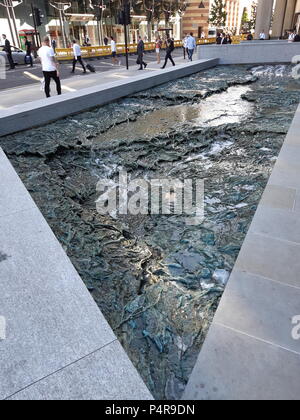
(277, 223)
(104, 375)
(234, 366)
(13, 195)
(277, 196)
(271, 258)
(258, 307)
(51, 318)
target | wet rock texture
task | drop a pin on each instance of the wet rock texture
(158, 280)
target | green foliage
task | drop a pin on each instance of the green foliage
(218, 14)
(245, 17)
(253, 15)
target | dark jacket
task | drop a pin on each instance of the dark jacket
(297, 38)
(219, 40)
(141, 48)
(28, 47)
(7, 47)
(171, 46)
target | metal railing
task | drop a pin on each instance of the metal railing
(104, 51)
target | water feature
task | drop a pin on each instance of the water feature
(158, 280)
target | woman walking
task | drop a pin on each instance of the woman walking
(170, 49)
(158, 46)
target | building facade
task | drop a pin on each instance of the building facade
(197, 14)
(84, 21)
(277, 17)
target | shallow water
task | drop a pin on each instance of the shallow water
(228, 108)
(158, 280)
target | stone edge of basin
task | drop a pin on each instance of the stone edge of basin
(250, 352)
(58, 344)
(44, 111)
(251, 53)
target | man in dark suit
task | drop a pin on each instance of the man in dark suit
(140, 53)
(7, 49)
(28, 52)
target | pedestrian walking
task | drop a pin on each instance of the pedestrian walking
(191, 46)
(49, 66)
(77, 57)
(7, 49)
(229, 39)
(224, 39)
(158, 46)
(28, 56)
(185, 46)
(140, 53)
(250, 37)
(219, 39)
(262, 36)
(296, 38)
(113, 47)
(105, 41)
(170, 49)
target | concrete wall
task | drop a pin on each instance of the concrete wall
(252, 52)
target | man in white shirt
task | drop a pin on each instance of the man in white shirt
(49, 66)
(191, 46)
(262, 36)
(113, 47)
(77, 57)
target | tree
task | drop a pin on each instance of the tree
(245, 17)
(253, 15)
(218, 14)
(245, 24)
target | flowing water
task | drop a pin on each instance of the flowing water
(157, 279)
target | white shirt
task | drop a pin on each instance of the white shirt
(113, 46)
(185, 42)
(46, 53)
(191, 43)
(291, 37)
(262, 36)
(76, 50)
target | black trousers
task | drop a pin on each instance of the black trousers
(140, 61)
(79, 59)
(30, 59)
(10, 60)
(168, 57)
(48, 75)
(185, 52)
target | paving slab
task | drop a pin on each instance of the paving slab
(234, 366)
(287, 168)
(277, 196)
(90, 378)
(277, 223)
(13, 197)
(261, 308)
(270, 258)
